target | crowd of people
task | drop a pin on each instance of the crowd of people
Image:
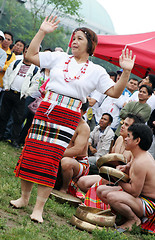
(84, 113)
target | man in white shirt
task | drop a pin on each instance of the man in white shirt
(100, 139)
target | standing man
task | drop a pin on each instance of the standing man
(137, 199)
(3, 55)
(19, 48)
(19, 82)
(132, 85)
(10, 55)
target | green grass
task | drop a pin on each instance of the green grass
(15, 224)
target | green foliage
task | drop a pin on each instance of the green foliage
(24, 23)
(108, 234)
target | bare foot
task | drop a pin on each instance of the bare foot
(63, 190)
(20, 202)
(128, 224)
(36, 216)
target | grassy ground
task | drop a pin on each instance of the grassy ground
(16, 223)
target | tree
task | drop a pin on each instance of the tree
(24, 22)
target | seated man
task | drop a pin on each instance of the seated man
(75, 159)
(85, 182)
(100, 140)
(137, 199)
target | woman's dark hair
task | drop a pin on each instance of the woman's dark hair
(91, 38)
(144, 132)
(149, 89)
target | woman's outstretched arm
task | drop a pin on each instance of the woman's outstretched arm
(48, 26)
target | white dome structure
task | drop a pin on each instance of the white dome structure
(95, 17)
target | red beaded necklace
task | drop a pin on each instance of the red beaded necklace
(81, 72)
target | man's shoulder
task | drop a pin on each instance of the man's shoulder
(83, 126)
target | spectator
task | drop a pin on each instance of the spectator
(151, 124)
(113, 76)
(19, 48)
(149, 81)
(132, 85)
(95, 99)
(3, 55)
(19, 83)
(100, 139)
(141, 107)
(10, 55)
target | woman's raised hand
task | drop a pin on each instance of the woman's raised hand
(49, 24)
(126, 60)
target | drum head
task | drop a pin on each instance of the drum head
(64, 197)
(113, 175)
(111, 160)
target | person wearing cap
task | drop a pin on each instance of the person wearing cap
(3, 55)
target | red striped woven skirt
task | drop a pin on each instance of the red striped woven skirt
(51, 131)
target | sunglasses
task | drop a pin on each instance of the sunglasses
(1, 39)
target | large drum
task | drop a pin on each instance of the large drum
(111, 160)
(113, 175)
(64, 197)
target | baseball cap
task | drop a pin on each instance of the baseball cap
(2, 35)
(119, 71)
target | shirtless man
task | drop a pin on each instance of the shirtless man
(85, 182)
(75, 159)
(137, 199)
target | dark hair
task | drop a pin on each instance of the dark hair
(9, 33)
(110, 117)
(135, 79)
(136, 118)
(144, 132)
(152, 80)
(19, 40)
(85, 106)
(113, 74)
(149, 89)
(91, 38)
(48, 49)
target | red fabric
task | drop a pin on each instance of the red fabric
(92, 200)
(39, 161)
(58, 115)
(109, 48)
(149, 225)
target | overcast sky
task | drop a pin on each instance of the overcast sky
(131, 16)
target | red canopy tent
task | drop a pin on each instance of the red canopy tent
(109, 48)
